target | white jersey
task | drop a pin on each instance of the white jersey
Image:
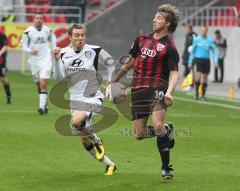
(34, 39)
(81, 70)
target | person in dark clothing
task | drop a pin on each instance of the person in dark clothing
(190, 35)
(3, 55)
(221, 44)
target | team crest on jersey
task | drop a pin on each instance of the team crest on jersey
(88, 54)
(160, 47)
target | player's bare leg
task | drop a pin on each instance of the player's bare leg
(140, 128)
(91, 142)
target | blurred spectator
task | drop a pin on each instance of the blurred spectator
(190, 35)
(203, 47)
(221, 45)
(8, 16)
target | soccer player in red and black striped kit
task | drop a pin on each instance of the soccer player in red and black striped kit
(3, 55)
(154, 59)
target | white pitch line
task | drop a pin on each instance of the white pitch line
(208, 103)
(192, 115)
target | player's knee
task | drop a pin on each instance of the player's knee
(75, 122)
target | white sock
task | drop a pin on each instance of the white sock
(42, 99)
(106, 161)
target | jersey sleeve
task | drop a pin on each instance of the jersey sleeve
(173, 57)
(134, 50)
(52, 39)
(59, 70)
(108, 62)
(25, 40)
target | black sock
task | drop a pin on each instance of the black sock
(204, 88)
(162, 144)
(7, 89)
(90, 147)
(197, 84)
(165, 155)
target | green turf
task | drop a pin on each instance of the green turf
(34, 157)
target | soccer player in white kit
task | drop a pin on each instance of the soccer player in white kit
(35, 41)
(79, 64)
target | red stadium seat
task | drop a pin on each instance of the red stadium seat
(30, 18)
(60, 19)
(45, 8)
(47, 19)
(32, 8)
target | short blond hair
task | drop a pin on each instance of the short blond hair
(171, 15)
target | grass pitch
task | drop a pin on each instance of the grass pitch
(34, 157)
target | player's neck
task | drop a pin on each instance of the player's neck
(159, 34)
(38, 27)
(77, 49)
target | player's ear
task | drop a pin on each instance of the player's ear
(168, 24)
(70, 37)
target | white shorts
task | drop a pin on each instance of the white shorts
(41, 71)
(91, 107)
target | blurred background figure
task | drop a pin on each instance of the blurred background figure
(190, 35)
(3, 55)
(202, 47)
(9, 16)
(221, 44)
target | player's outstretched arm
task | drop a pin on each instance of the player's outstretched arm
(127, 66)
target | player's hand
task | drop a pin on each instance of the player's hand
(189, 66)
(34, 52)
(215, 65)
(168, 99)
(56, 53)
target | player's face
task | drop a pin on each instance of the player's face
(159, 22)
(78, 38)
(38, 21)
(204, 31)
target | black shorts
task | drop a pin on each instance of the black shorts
(203, 65)
(143, 100)
(2, 70)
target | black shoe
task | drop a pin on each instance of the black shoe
(196, 98)
(9, 100)
(45, 110)
(150, 131)
(40, 111)
(170, 131)
(166, 173)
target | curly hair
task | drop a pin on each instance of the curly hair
(171, 14)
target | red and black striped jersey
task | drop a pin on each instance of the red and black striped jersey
(153, 61)
(3, 42)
